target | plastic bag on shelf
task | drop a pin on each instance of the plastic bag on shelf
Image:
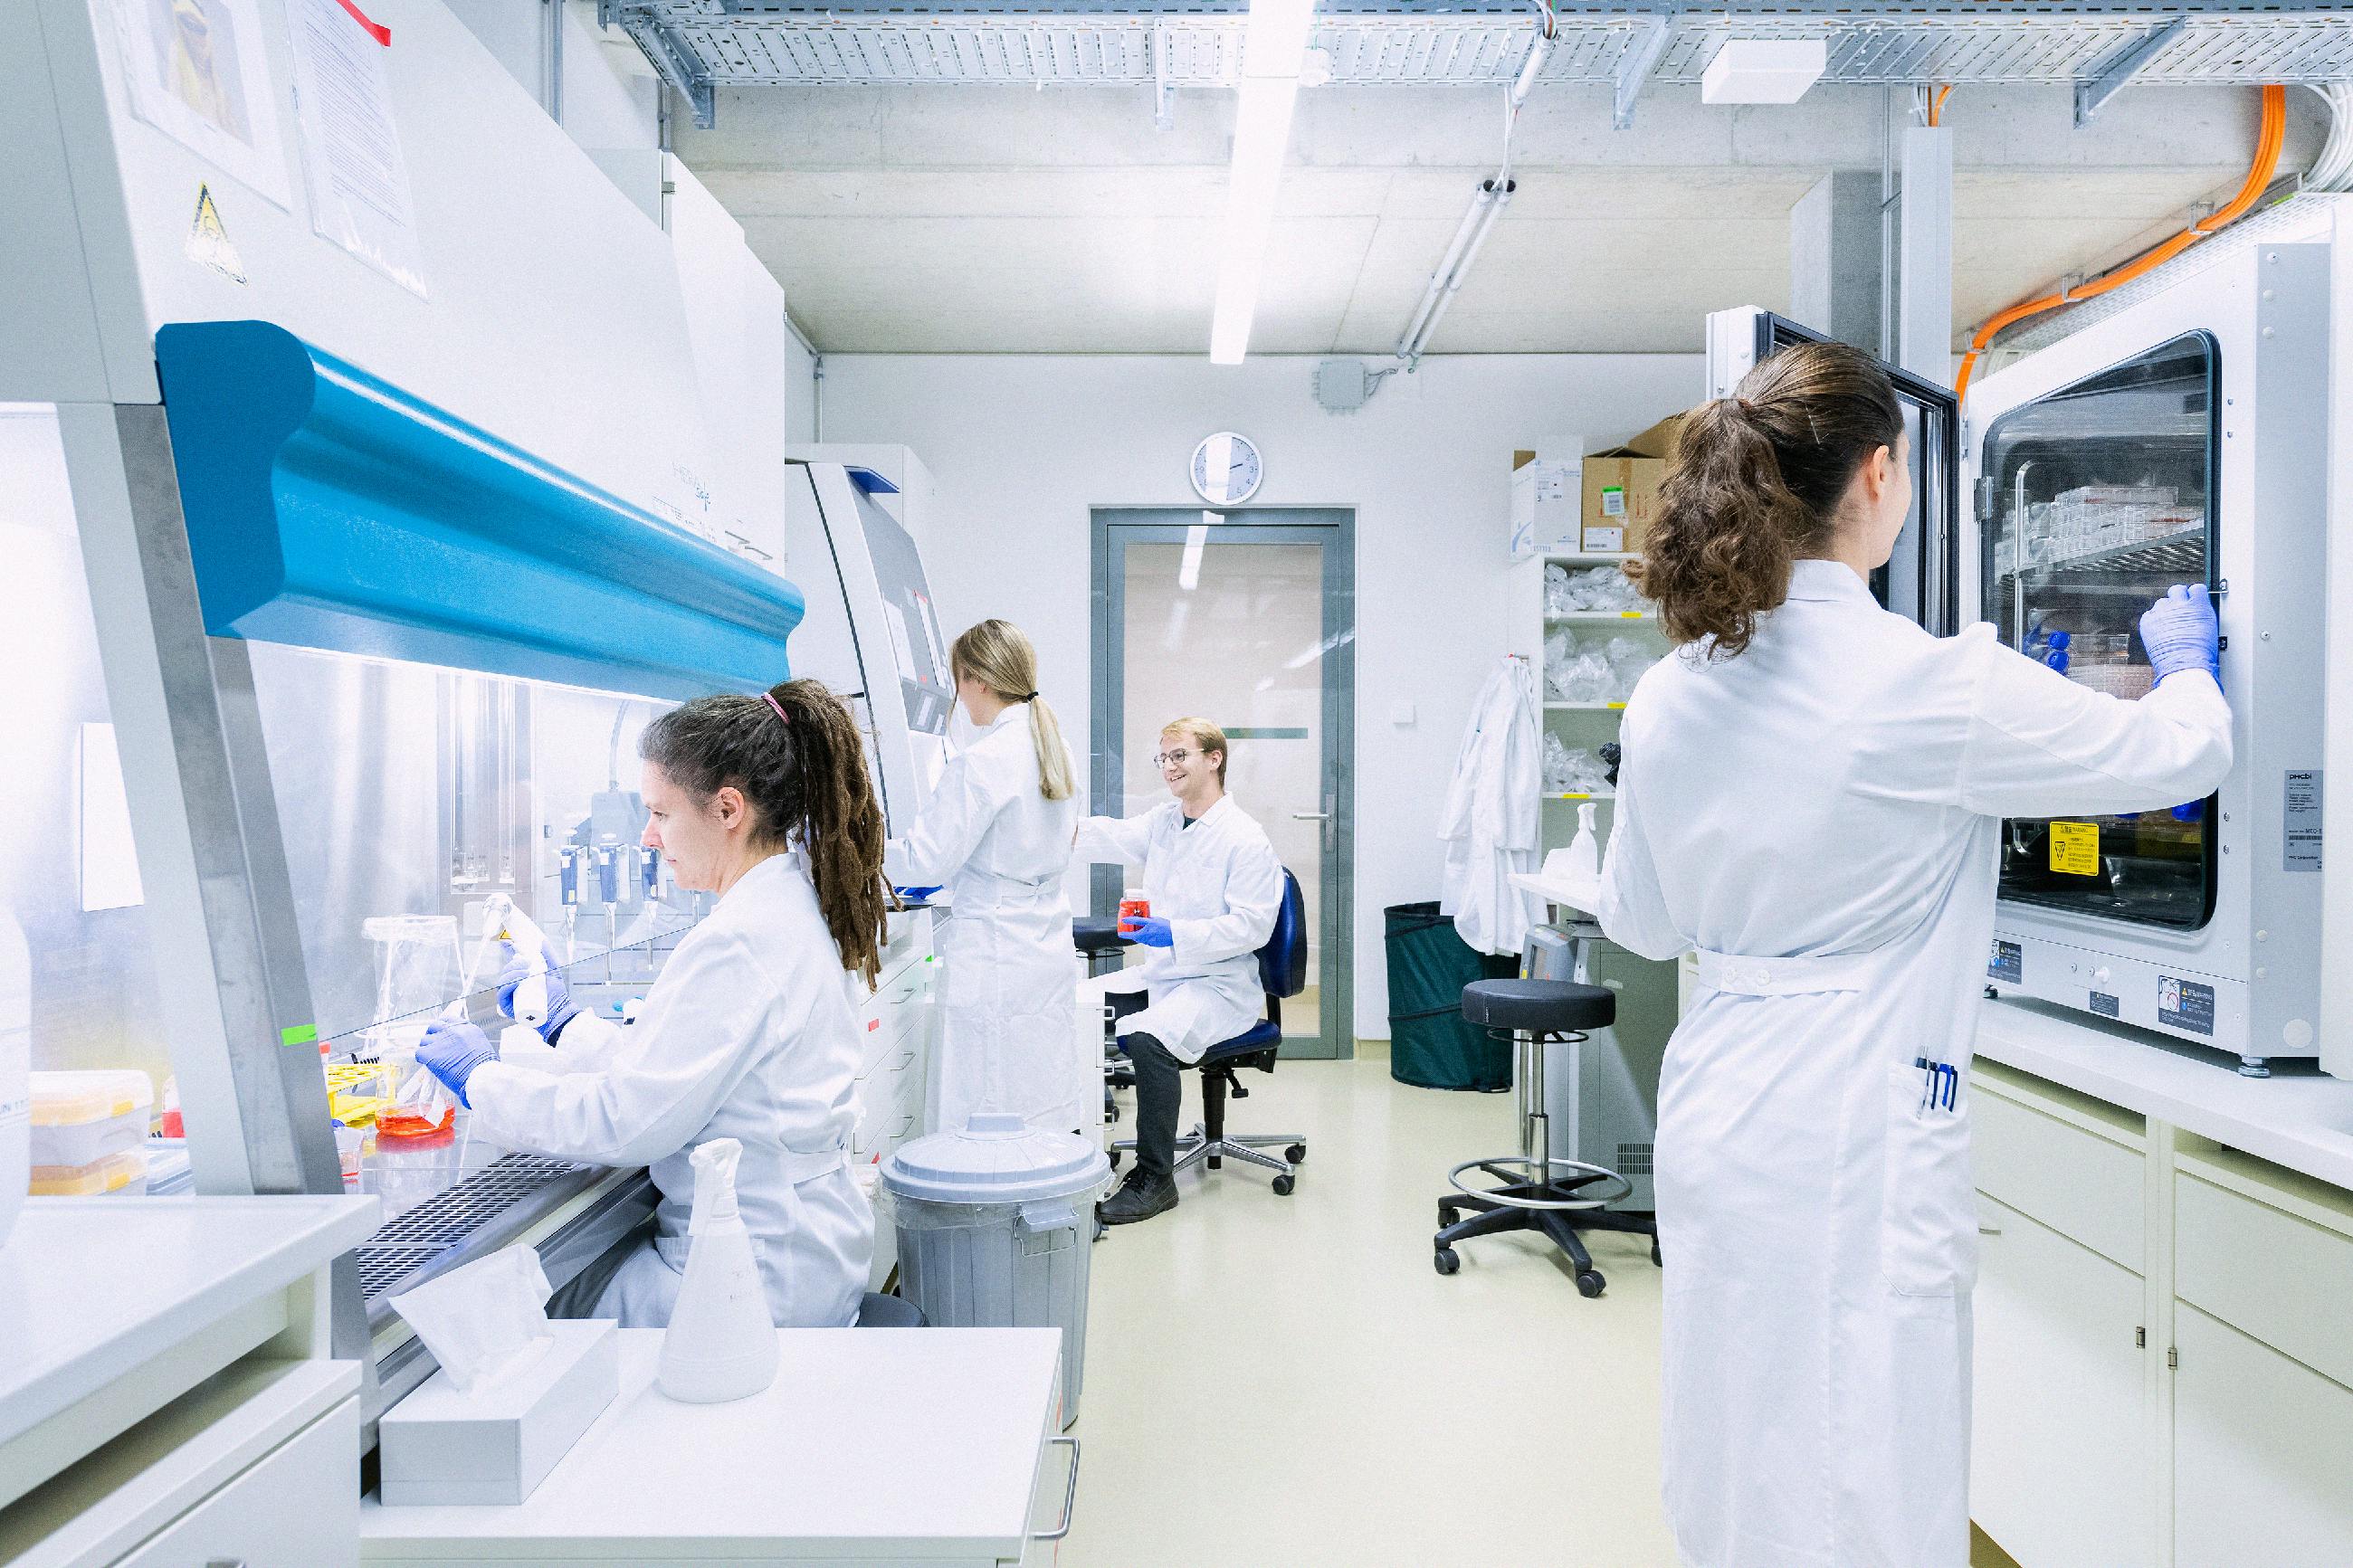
(1556, 765)
(1556, 590)
(1627, 659)
(1589, 678)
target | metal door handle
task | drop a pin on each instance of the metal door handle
(1070, 1494)
(1311, 817)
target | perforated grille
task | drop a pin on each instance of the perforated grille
(1633, 1158)
(407, 1243)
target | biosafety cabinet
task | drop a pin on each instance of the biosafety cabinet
(2181, 439)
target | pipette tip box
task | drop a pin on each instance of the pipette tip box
(444, 1445)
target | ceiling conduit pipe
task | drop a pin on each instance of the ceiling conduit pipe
(1487, 203)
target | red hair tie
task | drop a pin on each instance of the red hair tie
(770, 698)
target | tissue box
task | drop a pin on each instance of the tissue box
(442, 1445)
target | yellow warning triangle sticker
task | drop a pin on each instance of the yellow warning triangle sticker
(208, 240)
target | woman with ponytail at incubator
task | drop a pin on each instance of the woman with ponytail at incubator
(1810, 799)
(765, 802)
(996, 834)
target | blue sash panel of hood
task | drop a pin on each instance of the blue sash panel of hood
(330, 509)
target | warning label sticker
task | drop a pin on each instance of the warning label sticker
(2185, 1005)
(2007, 962)
(2075, 848)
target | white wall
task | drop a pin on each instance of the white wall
(1021, 447)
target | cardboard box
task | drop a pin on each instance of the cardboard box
(1622, 489)
(443, 1446)
(1546, 495)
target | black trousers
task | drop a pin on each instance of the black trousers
(1159, 1093)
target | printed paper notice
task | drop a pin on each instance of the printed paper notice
(197, 71)
(351, 142)
(2075, 848)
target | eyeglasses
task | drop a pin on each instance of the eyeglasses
(1176, 759)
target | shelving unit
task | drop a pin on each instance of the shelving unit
(1585, 725)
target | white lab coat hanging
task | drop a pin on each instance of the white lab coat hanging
(1818, 817)
(747, 1034)
(1491, 821)
(1218, 884)
(1009, 988)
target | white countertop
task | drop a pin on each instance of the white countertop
(892, 1444)
(2298, 1118)
(92, 1288)
(1581, 896)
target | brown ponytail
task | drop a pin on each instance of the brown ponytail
(796, 756)
(1756, 485)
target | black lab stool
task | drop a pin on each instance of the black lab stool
(1535, 1191)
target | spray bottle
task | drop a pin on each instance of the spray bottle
(721, 1344)
(1585, 851)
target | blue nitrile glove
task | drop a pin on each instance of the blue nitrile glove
(1149, 931)
(917, 895)
(2180, 632)
(452, 1049)
(561, 1007)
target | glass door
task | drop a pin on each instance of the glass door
(1918, 580)
(1246, 620)
(2093, 501)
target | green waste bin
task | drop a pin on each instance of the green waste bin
(1430, 1047)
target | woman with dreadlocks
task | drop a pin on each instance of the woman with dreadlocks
(764, 801)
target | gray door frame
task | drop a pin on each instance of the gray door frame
(1335, 528)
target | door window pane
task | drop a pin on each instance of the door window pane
(2096, 501)
(1234, 633)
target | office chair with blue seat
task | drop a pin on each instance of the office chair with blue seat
(1282, 971)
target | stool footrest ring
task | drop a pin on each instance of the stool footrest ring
(1533, 1166)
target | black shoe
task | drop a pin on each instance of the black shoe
(1140, 1198)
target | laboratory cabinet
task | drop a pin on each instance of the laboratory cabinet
(168, 1395)
(2162, 1374)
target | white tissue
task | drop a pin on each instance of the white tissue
(485, 1320)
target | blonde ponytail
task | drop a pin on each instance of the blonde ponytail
(1000, 657)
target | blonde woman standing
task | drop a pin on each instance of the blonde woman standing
(996, 834)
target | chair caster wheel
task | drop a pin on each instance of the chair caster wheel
(1114, 1159)
(1448, 1260)
(1590, 1284)
(1654, 1253)
(1282, 1185)
(1296, 1153)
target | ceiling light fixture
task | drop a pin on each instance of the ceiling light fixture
(1274, 49)
(1764, 70)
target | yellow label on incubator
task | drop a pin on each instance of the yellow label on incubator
(2075, 848)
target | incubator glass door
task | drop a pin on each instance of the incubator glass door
(2093, 501)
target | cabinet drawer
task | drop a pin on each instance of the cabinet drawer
(2087, 1187)
(2260, 1478)
(2283, 1279)
(299, 1504)
(882, 1039)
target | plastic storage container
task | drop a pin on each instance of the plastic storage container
(125, 1172)
(81, 1118)
(995, 1226)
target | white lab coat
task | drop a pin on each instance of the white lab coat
(746, 1035)
(1490, 823)
(1819, 818)
(1009, 1034)
(1218, 885)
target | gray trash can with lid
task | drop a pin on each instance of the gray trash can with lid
(996, 1228)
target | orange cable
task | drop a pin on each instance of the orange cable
(2259, 178)
(1936, 106)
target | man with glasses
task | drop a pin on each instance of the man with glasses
(1214, 885)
